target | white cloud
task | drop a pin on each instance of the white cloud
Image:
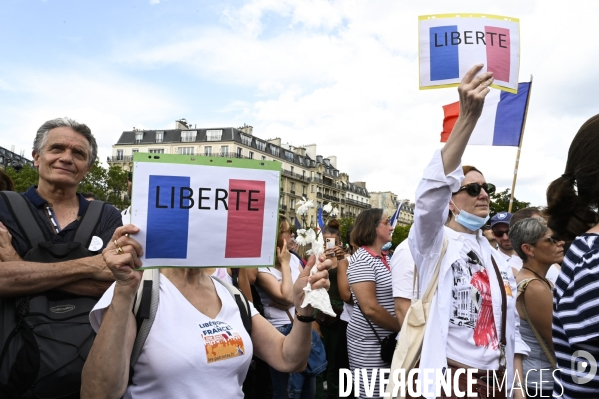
(341, 74)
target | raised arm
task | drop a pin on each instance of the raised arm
(472, 91)
(444, 175)
(290, 353)
(106, 370)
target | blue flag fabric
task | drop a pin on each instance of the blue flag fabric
(395, 217)
(297, 224)
(320, 220)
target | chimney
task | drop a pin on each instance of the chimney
(247, 129)
(181, 124)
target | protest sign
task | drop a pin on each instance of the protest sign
(450, 44)
(196, 211)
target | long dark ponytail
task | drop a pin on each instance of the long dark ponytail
(573, 198)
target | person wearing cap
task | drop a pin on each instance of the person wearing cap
(500, 226)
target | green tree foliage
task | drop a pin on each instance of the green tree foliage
(116, 182)
(23, 179)
(399, 234)
(95, 181)
(500, 202)
(344, 225)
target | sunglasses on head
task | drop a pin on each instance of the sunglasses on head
(473, 189)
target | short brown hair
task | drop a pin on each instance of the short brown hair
(6, 183)
(364, 231)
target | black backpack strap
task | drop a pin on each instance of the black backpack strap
(88, 223)
(23, 216)
(242, 304)
(235, 276)
(144, 309)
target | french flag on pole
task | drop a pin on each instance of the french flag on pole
(501, 122)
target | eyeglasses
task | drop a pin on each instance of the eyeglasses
(473, 189)
(553, 240)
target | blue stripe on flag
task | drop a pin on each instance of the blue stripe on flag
(319, 218)
(510, 116)
(167, 228)
(445, 61)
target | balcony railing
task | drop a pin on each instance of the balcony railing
(121, 158)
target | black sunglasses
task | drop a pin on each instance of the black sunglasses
(473, 189)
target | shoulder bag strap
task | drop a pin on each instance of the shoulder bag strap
(540, 339)
(148, 294)
(23, 216)
(370, 324)
(502, 358)
(89, 222)
(242, 304)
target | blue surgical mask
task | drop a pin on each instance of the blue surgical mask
(387, 246)
(468, 220)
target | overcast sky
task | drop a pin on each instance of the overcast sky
(341, 74)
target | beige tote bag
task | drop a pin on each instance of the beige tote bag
(409, 345)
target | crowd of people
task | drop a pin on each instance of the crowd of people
(516, 294)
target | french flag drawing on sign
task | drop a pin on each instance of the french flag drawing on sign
(171, 199)
(451, 45)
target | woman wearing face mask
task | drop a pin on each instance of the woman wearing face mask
(472, 322)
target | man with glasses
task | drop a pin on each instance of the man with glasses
(500, 226)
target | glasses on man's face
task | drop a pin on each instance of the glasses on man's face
(500, 233)
(473, 189)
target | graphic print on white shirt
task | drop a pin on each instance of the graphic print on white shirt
(221, 341)
(471, 305)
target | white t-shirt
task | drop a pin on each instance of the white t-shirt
(511, 260)
(553, 273)
(186, 353)
(402, 271)
(472, 329)
(348, 310)
(278, 317)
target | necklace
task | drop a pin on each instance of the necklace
(537, 274)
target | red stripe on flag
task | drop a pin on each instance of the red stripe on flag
(451, 113)
(498, 52)
(245, 219)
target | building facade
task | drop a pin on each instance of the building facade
(305, 174)
(389, 203)
(10, 159)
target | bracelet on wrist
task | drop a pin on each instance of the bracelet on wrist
(304, 319)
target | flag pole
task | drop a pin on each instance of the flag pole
(519, 148)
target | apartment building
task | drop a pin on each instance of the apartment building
(389, 202)
(304, 174)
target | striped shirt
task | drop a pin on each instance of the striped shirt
(576, 321)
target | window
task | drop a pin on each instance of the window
(263, 158)
(186, 150)
(119, 155)
(292, 203)
(208, 150)
(304, 189)
(214, 135)
(224, 150)
(289, 156)
(291, 169)
(274, 150)
(261, 145)
(246, 140)
(135, 150)
(292, 187)
(139, 136)
(159, 137)
(312, 188)
(188, 136)
(239, 152)
(251, 155)
(301, 160)
(157, 151)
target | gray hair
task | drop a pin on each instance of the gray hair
(527, 231)
(81, 128)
